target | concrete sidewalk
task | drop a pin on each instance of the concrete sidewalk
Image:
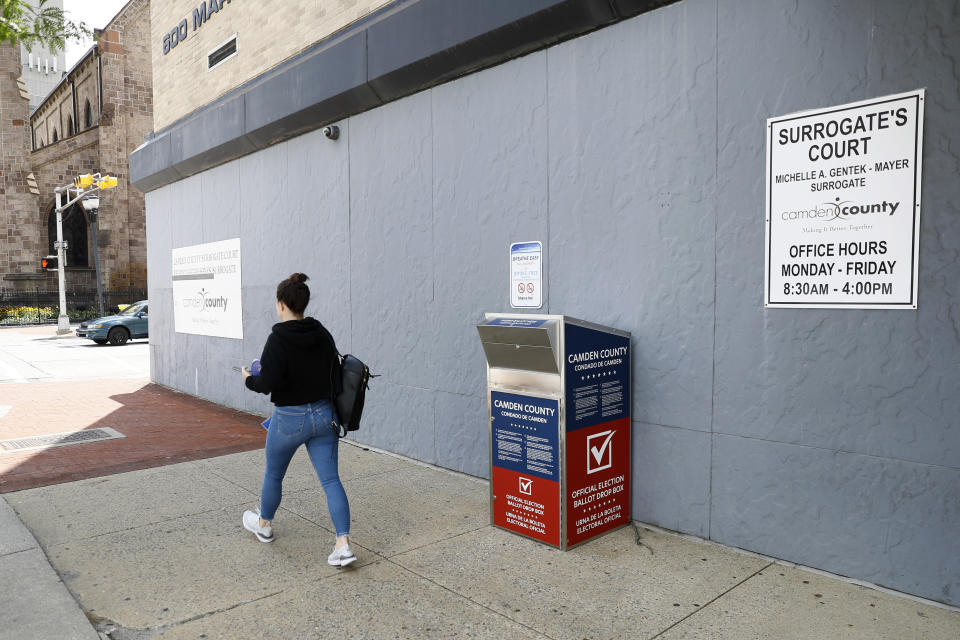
(35, 602)
(160, 553)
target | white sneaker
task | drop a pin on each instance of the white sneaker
(251, 522)
(341, 557)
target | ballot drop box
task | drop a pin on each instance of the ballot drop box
(559, 412)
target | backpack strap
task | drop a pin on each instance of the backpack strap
(335, 365)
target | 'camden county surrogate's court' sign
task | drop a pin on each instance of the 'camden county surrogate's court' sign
(843, 205)
(206, 289)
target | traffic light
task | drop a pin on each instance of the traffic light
(83, 181)
(48, 262)
(107, 182)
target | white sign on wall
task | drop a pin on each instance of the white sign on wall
(843, 205)
(206, 289)
(526, 275)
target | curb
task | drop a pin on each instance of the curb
(41, 604)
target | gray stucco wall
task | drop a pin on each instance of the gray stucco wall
(636, 153)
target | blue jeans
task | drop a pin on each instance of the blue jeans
(291, 427)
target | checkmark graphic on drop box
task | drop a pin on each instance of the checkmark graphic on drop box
(599, 451)
(526, 486)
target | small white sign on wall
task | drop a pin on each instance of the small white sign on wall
(206, 289)
(843, 205)
(526, 275)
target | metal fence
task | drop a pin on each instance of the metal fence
(41, 306)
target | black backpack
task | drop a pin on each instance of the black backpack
(349, 378)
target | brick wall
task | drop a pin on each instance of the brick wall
(57, 109)
(19, 234)
(267, 34)
(126, 118)
(55, 166)
(85, 83)
(119, 123)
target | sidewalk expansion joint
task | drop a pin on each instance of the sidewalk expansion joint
(222, 610)
(711, 601)
(429, 544)
(117, 631)
(317, 524)
(144, 525)
(13, 553)
(500, 614)
(418, 463)
(226, 479)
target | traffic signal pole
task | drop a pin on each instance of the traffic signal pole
(92, 215)
(84, 185)
(63, 321)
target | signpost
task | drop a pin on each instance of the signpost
(843, 205)
(526, 275)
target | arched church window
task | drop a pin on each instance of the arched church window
(74, 232)
(87, 116)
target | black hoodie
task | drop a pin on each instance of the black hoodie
(296, 364)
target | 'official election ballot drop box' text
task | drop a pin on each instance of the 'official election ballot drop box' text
(559, 400)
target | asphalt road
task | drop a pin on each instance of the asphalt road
(37, 354)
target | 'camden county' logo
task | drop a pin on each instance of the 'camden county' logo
(204, 302)
(841, 210)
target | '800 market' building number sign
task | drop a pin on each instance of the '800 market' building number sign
(200, 16)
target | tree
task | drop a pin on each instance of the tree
(20, 22)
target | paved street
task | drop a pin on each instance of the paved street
(36, 353)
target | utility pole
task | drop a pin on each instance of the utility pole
(91, 204)
(63, 322)
(84, 185)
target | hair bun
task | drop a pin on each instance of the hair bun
(299, 278)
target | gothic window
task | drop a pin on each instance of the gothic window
(69, 125)
(87, 116)
(74, 232)
(55, 137)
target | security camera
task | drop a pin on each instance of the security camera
(332, 132)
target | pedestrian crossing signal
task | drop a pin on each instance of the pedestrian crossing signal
(48, 262)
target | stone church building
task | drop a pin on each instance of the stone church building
(99, 112)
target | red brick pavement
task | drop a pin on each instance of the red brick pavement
(161, 427)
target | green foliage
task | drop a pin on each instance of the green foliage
(26, 315)
(19, 315)
(20, 22)
(76, 315)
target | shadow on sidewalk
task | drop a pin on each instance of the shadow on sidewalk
(161, 427)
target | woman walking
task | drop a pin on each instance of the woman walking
(296, 369)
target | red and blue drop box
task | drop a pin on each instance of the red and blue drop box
(559, 412)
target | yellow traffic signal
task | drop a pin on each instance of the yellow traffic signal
(83, 181)
(107, 182)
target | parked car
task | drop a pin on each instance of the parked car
(129, 323)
